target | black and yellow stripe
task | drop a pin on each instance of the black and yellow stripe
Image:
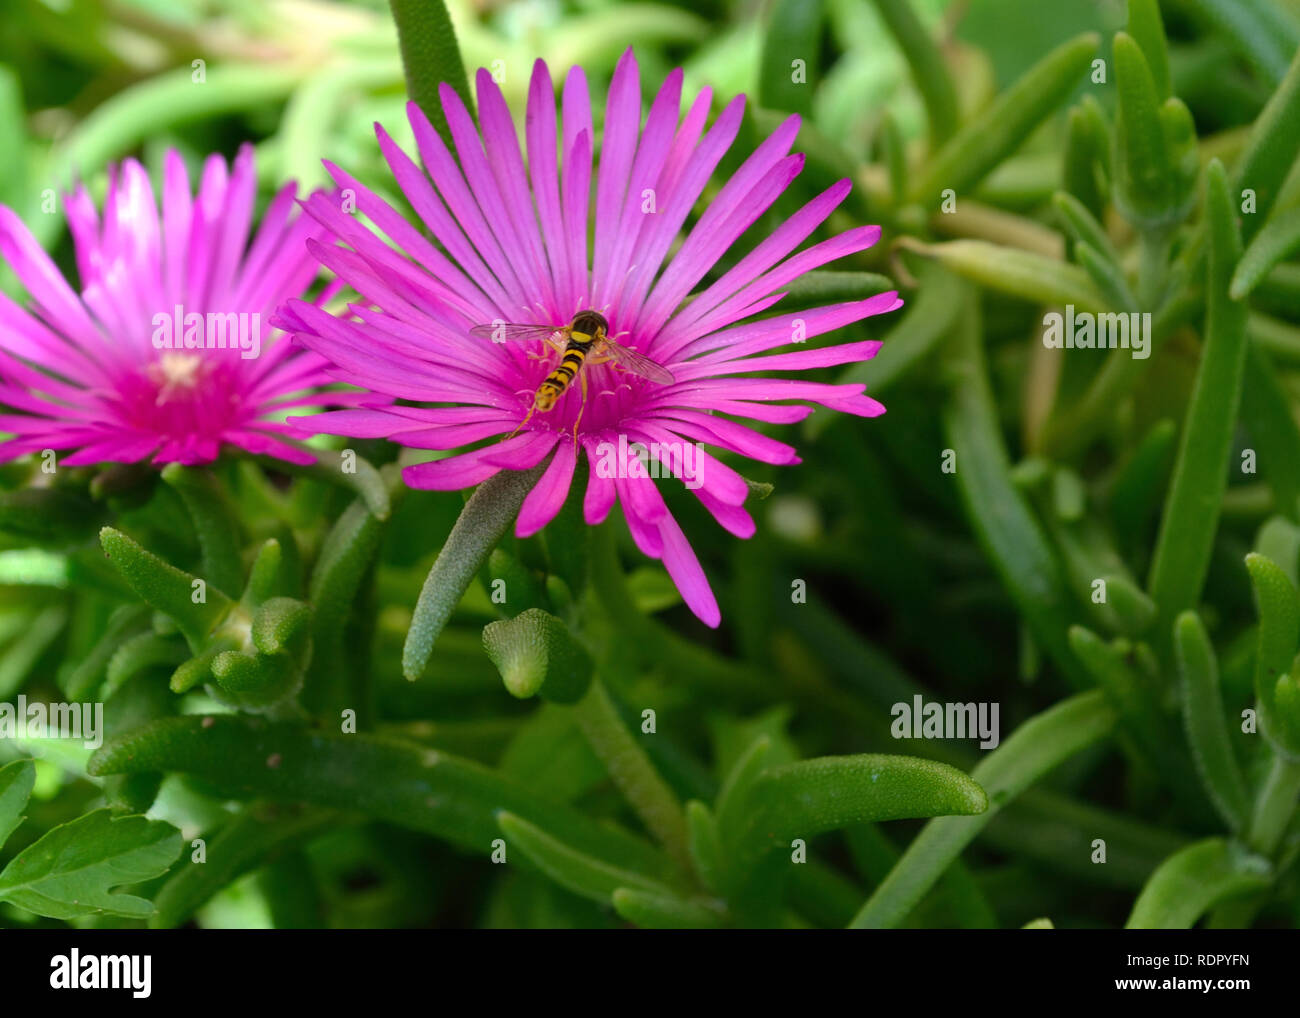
(575, 353)
(585, 331)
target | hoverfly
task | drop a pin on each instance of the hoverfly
(585, 340)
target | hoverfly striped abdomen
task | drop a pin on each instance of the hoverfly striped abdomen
(585, 340)
(585, 331)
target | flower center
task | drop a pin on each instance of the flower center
(176, 375)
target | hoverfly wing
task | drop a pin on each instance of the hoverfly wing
(515, 332)
(632, 361)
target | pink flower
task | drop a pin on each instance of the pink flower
(161, 353)
(514, 248)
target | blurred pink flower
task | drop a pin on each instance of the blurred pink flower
(514, 248)
(128, 368)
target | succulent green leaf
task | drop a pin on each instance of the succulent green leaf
(1276, 242)
(809, 797)
(140, 653)
(1279, 631)
(1194, 880)
(789, 63)
(1083, 225)
(266, 578)
(735, 788)
(215, 523)
(1271, 150)
(420, 789)
(1086, 156)
(1025, 274)
(580, 872)
(998, 131)
(1274, 433)
(830, 286)
(535, 654)
(82, 682)
(1155, 157)
(1191, 513)
(1260, 34)
(282, 625)
(343, 468)
(482, 523)
(704, 845)
(1205, 721)
(657, 911)
(1032, 750)
(196, 610)
(255, 682)
(999, 516)
(1147, 29)
(929, 69)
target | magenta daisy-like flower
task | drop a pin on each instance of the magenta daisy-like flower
(512, 250)
(167, 350)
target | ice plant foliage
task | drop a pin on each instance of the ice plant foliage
(513, 246)
(161, 353)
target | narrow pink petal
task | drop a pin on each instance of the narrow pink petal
(724, 482)
(455, 472)
(781, 330)
(684, 568)
(737, 306)
(544, 173)
(548, 495)
(651, 154)
(58, 304)
(178, 211)
(126, 449)
(772, 249)
(727, 435)
(801, 360)
(446, 176)
(705, 244)
(617, 149)
(653, 245)
(405, 236)
(643, 508)
(601, 494)
(506, 162)
(734, 519)
(577, 184)
(232, 233)
(205, 229)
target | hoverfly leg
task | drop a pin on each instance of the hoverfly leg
(582, 383)
(520, 426)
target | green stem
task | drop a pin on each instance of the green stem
(1191, 515)
(929, 69)
(1153, 268)
(430, 57)
(1001, 519)
(481, 525)
(1070, 433)
(631, 770)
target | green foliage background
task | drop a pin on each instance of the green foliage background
(1175, 479)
